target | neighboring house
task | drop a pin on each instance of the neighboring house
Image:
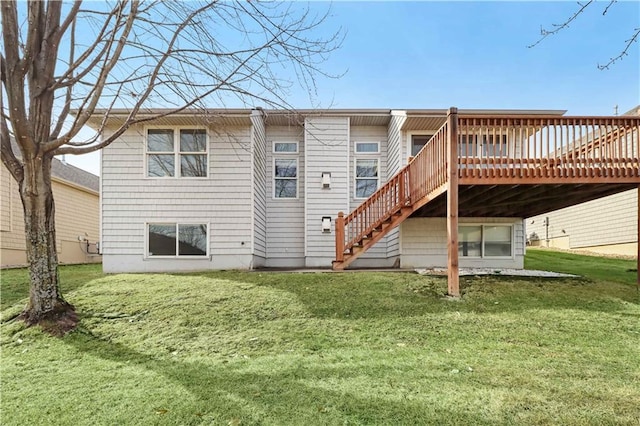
(607, 225)
(255, 188)
(77, 202)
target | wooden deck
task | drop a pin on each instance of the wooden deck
(505, 166)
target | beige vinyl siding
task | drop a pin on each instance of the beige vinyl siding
(609, 220)
(259, 148)
(76, 215)
(8, 190)
(12, 236)
(222, 199)
(424, 243)
(368, 134)
(326, 150)
(285, 216)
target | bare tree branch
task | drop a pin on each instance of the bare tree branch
(544, 33)
(633, 39)
(15, 70)
(284, 44)
(606, 9)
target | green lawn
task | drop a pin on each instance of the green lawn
(238, 348)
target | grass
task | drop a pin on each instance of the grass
(596, 268)
(238, 348)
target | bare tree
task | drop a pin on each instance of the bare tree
(582, 6)
(61, 63)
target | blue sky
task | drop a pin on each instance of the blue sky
(475, 55)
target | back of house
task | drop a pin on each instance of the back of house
(243, 189)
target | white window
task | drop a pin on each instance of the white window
(285, 170)
(367, 147)
(367, 175)
(177, 152)
(288, 147)
(485, 241)
(497, 241)
(177, 239)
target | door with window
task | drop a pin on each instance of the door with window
(417, 142)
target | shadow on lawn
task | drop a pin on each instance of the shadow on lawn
(15, 282)
(226, 392)
(375, 295)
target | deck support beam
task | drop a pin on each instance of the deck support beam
(638, 242)
(453, 275)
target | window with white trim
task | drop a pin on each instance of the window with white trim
(367, 147)
(288, 147)
(367, 168)
(366, 176)
(177, 239)
(485, 241)
(285, 170)
(177, 152)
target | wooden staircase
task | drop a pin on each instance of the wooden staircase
(420, 181)
(492, 150)
(374, 235)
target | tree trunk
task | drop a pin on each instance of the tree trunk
(46, 306)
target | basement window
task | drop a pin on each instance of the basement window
(482, 241)
(177, 240)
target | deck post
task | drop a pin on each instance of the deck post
(452, 203)
(638, 242)
(340, 237)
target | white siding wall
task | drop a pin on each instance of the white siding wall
(259, 157)
(326, 141)
(609, 220)
(376, 255)
(223, 200)
(394, 163)
(424, 243)
(285, 217)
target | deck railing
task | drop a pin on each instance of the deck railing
(548, 147)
